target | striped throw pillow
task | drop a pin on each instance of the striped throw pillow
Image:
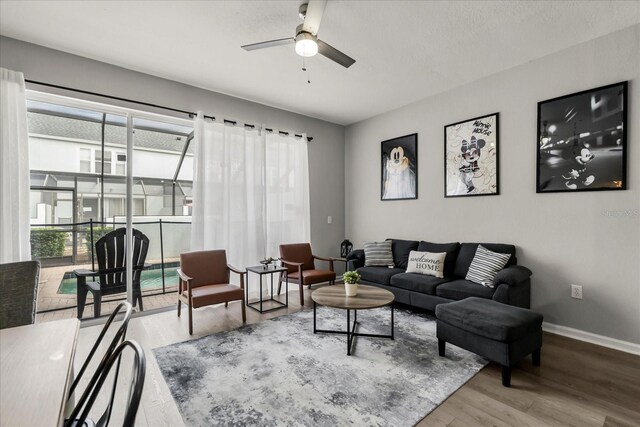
(485, 266)
(378, 254)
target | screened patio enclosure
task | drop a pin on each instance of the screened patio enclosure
(78, 162)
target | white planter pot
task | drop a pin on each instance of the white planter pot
(351, 289)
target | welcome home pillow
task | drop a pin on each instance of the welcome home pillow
(428, 263)
(485, 266)
(378, 254)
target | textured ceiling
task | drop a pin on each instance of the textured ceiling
(405, 50)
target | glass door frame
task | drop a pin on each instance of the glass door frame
(130, 115)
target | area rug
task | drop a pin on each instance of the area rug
(277, 372)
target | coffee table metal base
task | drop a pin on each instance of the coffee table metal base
(351, 328)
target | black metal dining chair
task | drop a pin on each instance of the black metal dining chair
(136, 386)
(111, 251)
(117, 339)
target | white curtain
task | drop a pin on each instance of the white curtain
(250, 191)
(14, 169)
(228, 191)
(287, 192)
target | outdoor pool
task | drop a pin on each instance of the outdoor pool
(150, 279)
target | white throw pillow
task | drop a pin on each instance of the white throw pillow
(429, 263)
(378, 254)
(485, 266)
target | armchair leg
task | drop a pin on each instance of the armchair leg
(190, 320)
(226, 304)
(97, 303)
(179, 306)
(301, 294)
(81, 292)
(244, 312)
(140, 301)
(279, 287)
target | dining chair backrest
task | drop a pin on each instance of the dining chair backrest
(118, 338)
(80, 413)
(111, 252)
(18, 293)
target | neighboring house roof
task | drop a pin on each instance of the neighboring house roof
(64, 127)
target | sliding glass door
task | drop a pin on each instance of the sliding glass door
(93, 166)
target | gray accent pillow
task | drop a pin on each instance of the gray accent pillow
(378, 254)
(485, 266)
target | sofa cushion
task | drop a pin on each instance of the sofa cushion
(490, 319)
(485, 265)
(417, 282)
(378, 254)
(450, 248)
(401, 249)
(380, 275)
(427, 263)
(460, 289)
(468, 251)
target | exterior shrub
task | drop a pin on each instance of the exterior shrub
(47, 242)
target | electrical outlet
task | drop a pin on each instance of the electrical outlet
(329, 219)
(576, 291)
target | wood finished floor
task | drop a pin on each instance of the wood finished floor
(578, 384)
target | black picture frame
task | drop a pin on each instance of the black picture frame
(472, 160)
(581, 141)
(399, 177)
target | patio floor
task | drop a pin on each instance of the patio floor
(50, 299)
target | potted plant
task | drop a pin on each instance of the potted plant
(351, 280)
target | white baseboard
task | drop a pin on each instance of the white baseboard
(616, 344)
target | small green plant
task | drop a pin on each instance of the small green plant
(351, 277)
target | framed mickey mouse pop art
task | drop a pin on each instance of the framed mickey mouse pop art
(471, 157)
(582, 141)
(399, 175)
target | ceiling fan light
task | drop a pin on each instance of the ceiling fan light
(306, 45)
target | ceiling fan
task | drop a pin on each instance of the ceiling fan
(306, 41)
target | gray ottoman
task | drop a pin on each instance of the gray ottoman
(502, 333)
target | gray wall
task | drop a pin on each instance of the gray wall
(326, 152)
(564, 238)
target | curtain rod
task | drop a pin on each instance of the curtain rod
(191, 114)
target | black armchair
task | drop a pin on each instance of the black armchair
(111, 255)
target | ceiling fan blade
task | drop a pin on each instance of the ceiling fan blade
(270, 43)
(315, 10)
(334, 54)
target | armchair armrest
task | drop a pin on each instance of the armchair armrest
(186, 279)
(235, 270)
(291, 263)
(512, 276)
(329, 260)
(183, 276)
(84, 273)
(239, 272)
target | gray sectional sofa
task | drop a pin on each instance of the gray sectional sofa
(512, 285)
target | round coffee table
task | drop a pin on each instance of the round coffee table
(368, 297)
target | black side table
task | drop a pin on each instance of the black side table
(261, 271)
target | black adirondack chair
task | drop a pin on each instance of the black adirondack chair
(111, 255)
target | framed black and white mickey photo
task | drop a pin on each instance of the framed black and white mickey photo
(582, 141)
(471, 157)
(399, 168)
